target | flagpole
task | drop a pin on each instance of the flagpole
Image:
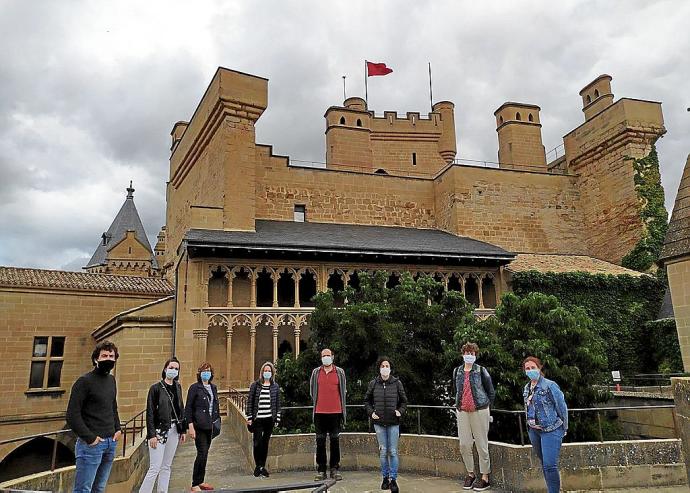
(344, 93)
(366, 88)
(431, 93)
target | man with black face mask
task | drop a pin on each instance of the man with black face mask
(92, 416)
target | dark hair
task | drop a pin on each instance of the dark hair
(165, 367)
(469, 347)
(381, 360)
(103, 346)
(534, 360)
(202, 367)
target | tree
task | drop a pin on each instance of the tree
(412, 323)
(574, 356)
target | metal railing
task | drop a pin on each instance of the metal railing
(552, 155)
(519, 415)
(128, 428)
(238, 398)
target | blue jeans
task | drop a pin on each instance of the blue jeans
(388, 449)
(93, 465)
(547, 446)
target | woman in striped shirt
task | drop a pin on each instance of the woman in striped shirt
(263, 413)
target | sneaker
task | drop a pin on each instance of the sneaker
(205, 487)
(264, 472)
(320, 476)
(481, 485)
(394, 486)
(335, 474)
(385, 485)
(257, 471)
(469, 481)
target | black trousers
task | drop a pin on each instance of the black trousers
(327, 424)
(263, 427)
(202, 443)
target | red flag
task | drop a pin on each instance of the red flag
(377, 69)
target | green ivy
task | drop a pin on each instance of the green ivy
(620, 308)
(653, 214)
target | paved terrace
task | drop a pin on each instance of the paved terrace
(227, 469)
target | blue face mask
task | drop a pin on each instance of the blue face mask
(205, 376)
(532, 374)
(469, 358)
(171, 373)
(267, 375)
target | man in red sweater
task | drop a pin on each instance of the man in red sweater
(328, 388)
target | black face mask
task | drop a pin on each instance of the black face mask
(104, 366)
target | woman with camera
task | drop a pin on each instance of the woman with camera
(165, 426)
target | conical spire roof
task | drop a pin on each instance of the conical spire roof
(126, 220)
(677, 242)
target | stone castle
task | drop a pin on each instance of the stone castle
(250, 237)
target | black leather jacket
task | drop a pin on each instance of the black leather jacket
(196, 410)
(159, 410)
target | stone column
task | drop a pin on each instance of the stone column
(681, 397)
(275, 344)
(275, 276)
(228, 352)
(480, 282)
(252, 350)
(252, 295)
(200, 340)
(297, 334)
(231, 278)
(297, 278)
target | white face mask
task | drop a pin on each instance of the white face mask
(469, 358)
(327, 360)
(385, 372)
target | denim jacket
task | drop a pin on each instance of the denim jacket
(549, 404)
(480, 382)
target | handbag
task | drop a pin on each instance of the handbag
(216, 428)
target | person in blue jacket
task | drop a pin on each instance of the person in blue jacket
(547, 420)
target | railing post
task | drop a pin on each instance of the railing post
(419, 421)
(601, 433)
(52, 460)
(522, 433)
(124, 441)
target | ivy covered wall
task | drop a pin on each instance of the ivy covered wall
(653, 213)
(621, 308)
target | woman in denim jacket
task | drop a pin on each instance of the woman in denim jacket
(547, 420)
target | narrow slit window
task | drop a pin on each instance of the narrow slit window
(300, 215)
(414, 159)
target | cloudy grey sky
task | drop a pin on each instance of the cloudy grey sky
(89, 90)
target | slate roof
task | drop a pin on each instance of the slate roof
(83, 281)
(126, 220)
(567, 263)
(666, 310)
(349, 238)
(677, 242)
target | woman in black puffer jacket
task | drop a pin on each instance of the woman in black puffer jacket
(385, 402)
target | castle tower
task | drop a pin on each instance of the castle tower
(596, 96)
(124, 249)
(447, 146)
(348, 135)
(519, 137)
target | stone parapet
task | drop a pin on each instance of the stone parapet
(584, 466)
(681, 394)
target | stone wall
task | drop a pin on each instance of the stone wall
(29, 312)
(584, 466)
(126, 474)
(681, 394)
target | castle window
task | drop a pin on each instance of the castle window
(300, 214)
(46, 362)
(596, 93)
(342, 120)
(530, 117)
(517, 116)
(414, 159)
(380, 171)
(589, 99)
(500, 119)
(359, 122)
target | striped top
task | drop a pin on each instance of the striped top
(264, 403)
